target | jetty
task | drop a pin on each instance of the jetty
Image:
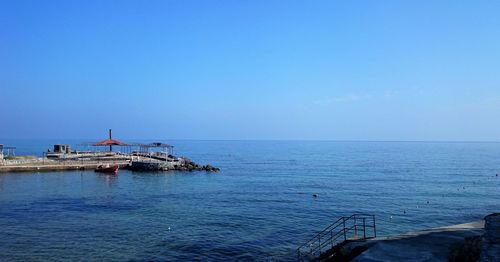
(155, 156)
(354, 238)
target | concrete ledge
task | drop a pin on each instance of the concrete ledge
(491, 239)
(426, 245)
(54, 167)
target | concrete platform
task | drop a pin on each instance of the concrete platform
(427, 245)
(57, 166)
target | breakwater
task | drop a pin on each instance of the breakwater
(89, 160)
(154, 156)
(143, 164)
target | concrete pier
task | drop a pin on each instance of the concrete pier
(135, 163)
(148, 157)
(58, 166)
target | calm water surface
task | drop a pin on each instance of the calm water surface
(258, 208)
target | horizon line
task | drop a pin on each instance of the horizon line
(283, 140)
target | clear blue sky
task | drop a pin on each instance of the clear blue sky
(339, 70)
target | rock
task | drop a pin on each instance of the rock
(210, 168)
(469, 250)
(491, 239)
(186, 164)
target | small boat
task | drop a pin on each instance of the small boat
(107, 169)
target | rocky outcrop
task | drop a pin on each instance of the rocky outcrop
(180, 164)
(188, 165)
(491, 239)
(210, 168)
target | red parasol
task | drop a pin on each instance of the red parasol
(110, 142)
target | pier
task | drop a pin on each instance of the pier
(47, 165)
(137, 157)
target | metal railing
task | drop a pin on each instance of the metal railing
(353, 227)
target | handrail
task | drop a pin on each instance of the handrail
(328, 227)
(344, 226)
(312, 239)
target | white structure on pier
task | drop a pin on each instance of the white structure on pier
(1, 155)
(11, 151)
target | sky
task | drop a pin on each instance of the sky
(231, 70)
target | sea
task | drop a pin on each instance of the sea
(259, 207)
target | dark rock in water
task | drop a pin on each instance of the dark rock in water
(180, 164)
(210, 168)
(315, 195)
(189, 165)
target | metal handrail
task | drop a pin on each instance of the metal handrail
(329, 228)
(331, 234)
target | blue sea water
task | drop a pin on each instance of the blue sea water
(258, 208)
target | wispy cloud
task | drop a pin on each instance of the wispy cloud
(388, 94)
(338, 99)
(352, 98)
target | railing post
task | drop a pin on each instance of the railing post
(364, 229)
(374, 228)
(319, 241)
(355, 227)
(331, 237)
(343, 222)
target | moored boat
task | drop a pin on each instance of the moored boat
(107, 169)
